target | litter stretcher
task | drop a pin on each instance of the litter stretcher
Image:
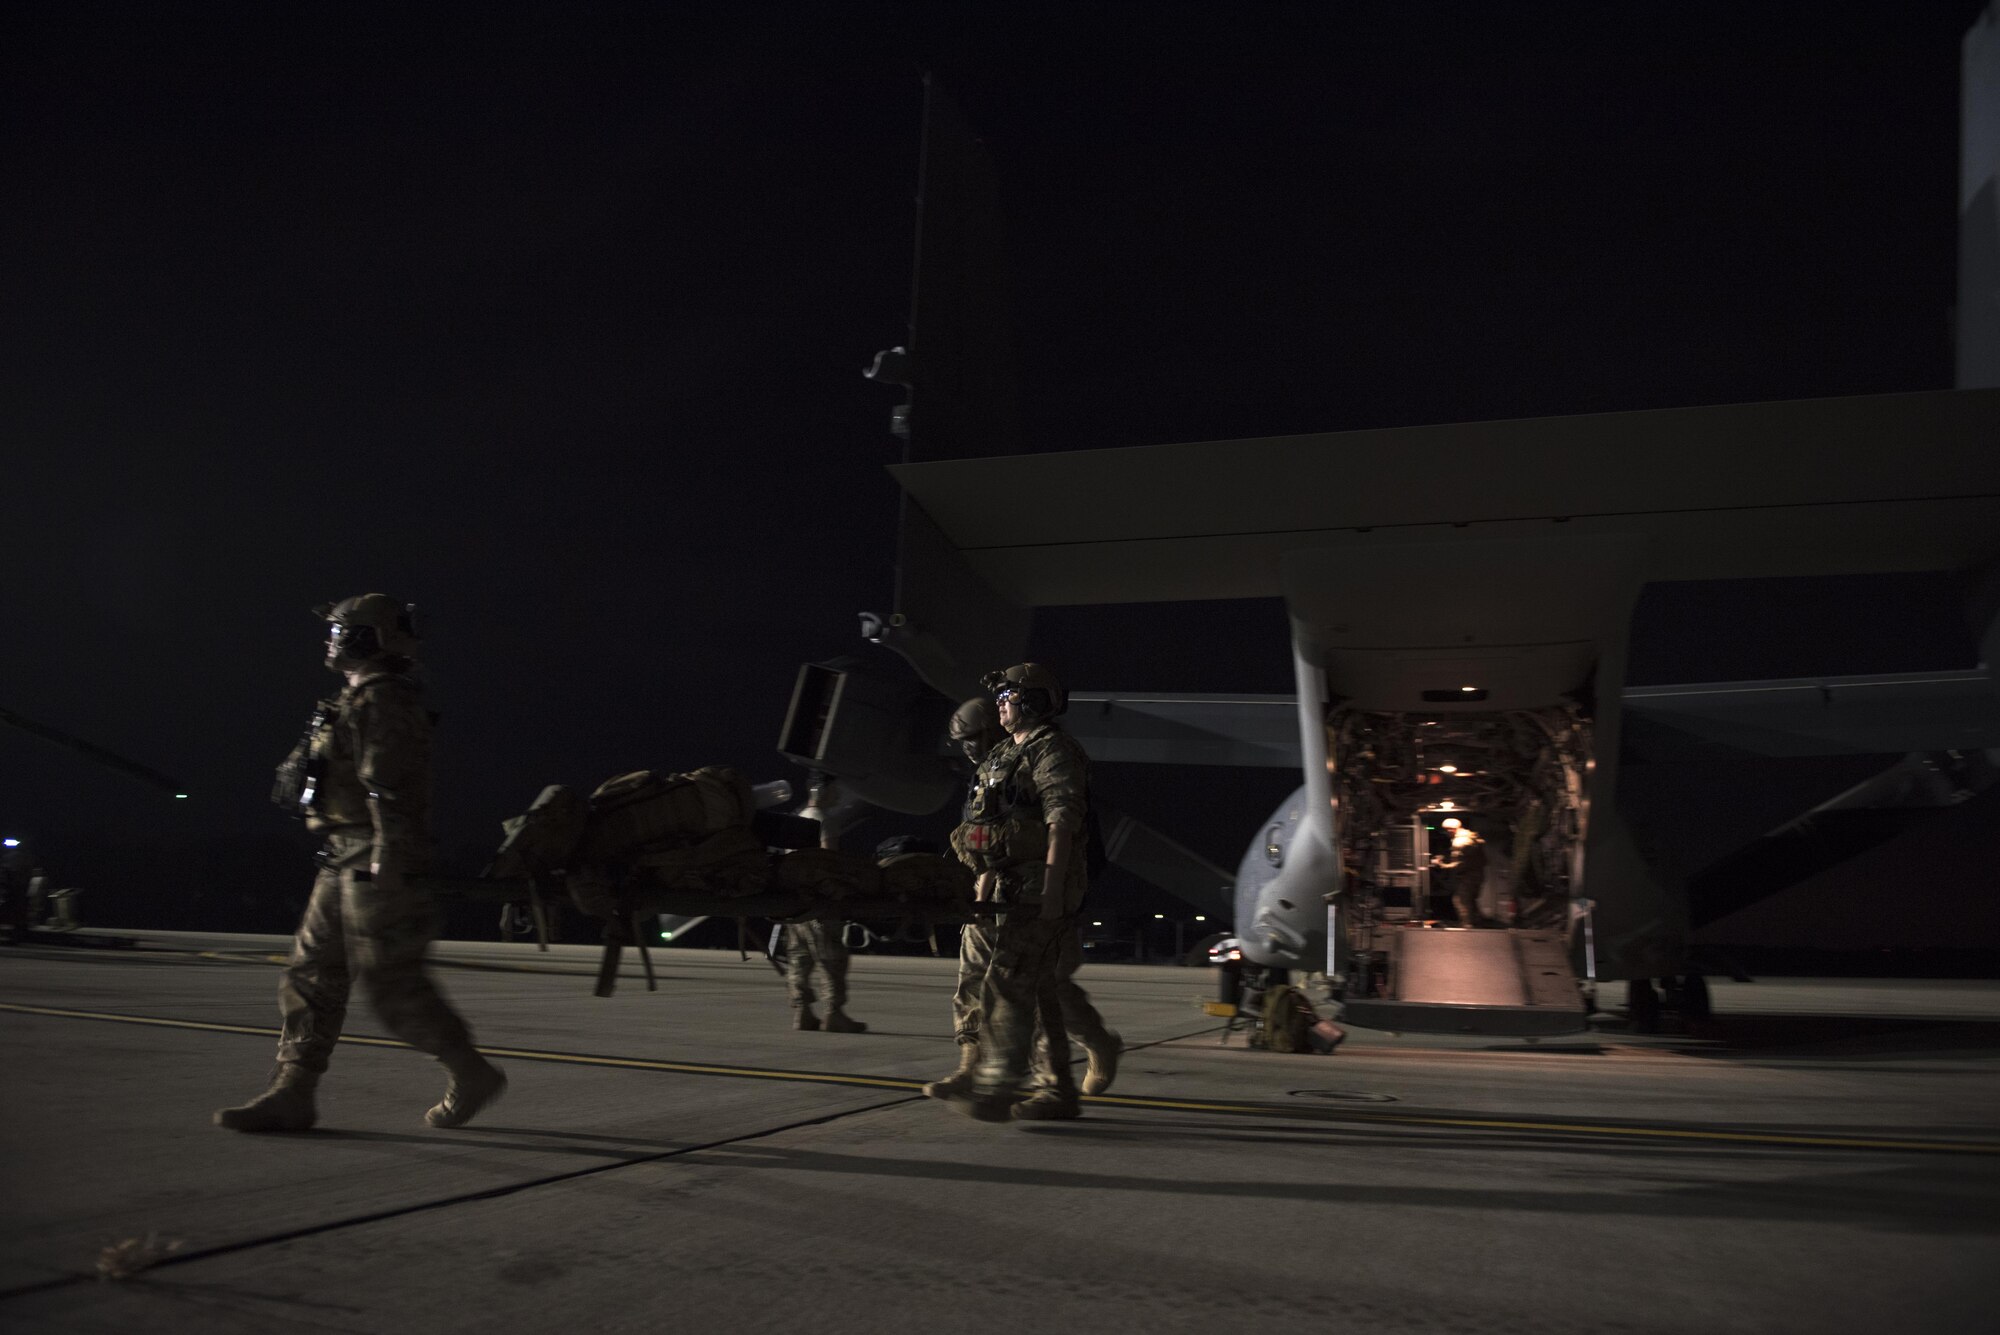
(698, 845)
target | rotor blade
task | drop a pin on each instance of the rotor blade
(109, 759)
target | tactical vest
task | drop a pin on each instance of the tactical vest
(1003, 828)
(320, 781)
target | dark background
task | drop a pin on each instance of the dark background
(552, 323)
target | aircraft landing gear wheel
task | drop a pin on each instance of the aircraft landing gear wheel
(1695, 1007)
(1642, 1006)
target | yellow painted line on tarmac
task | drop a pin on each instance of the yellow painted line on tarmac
(1787, 1138)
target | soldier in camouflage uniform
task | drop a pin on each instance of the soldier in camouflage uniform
(361, 777)
(817, 943)
(975, 727)
(1025, 836)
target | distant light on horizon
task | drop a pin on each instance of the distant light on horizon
(180, 797)
(11, 843)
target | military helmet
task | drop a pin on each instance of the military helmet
(1042, 696)
(370, 625)
(975, 718)
(975, 728)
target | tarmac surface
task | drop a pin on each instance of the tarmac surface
(1826, 1158)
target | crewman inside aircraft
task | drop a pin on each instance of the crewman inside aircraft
(1464, 869)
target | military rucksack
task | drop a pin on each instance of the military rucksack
(543, 838)
(826, 873)
(647, 809)
(926, 877)
(729, 864)
(1288, 1019)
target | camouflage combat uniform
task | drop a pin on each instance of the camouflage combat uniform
(1021, 790)
(815, 943)
(975, 955)
(373, 805)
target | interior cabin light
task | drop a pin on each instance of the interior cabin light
(1447, 769)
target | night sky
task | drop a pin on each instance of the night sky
(553, 323)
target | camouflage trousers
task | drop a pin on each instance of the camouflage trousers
(975, 954)
(352, 932)
(1021, 1003)
(815, 944)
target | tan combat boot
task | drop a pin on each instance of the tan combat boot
(803, 1018)
(1048, 1105)
(1103, 1067)
(959, 1081)
(286, 1106)
(839, 1021)
(990, 1105)
(474, 1083)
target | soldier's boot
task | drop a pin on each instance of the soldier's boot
(960, 1081)
(1048, 1105)
(1103, 1064)
(839, 1021)
(286, 1106)
(982, 1105)
(474, 1083)
(803, 1018)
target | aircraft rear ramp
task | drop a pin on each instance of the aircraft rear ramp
(1451, 981)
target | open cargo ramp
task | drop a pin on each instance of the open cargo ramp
(1478, 981)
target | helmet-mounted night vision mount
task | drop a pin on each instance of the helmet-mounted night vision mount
(1040, 694)
(369, 626)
